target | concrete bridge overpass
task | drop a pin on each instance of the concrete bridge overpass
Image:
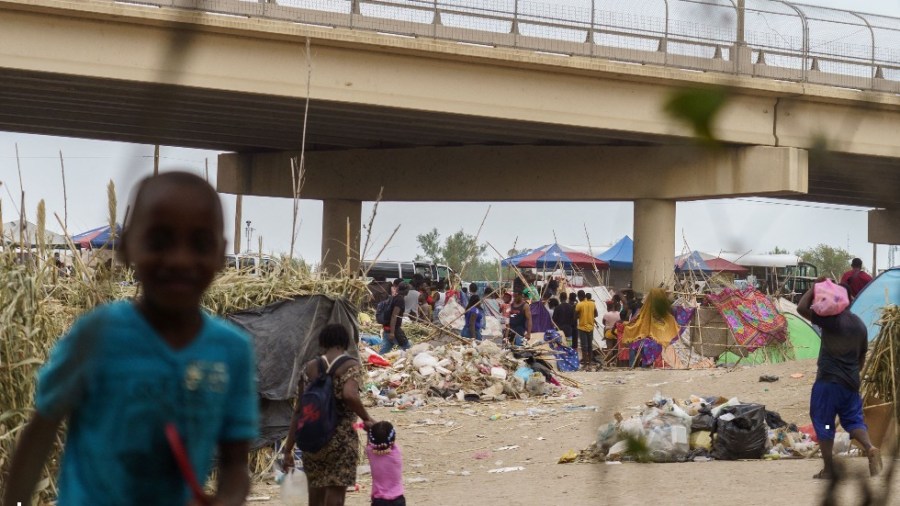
(518, 113)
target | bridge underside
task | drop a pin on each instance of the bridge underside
(465, 119)
(55, 104)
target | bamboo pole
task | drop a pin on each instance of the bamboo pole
(62, 169)
(156, 160)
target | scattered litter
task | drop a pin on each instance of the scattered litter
(797, 375)
(768, 378)
(417, 479)
(699, 429)
(406, 380)
(582, 407)
(569, 456)
(506, 469)
(505, 448)
(482, 455)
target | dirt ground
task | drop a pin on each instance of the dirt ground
(449, 448)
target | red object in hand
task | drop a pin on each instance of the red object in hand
(184, 464)
(377, 361)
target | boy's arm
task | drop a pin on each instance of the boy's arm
(803, 306)
(234, 481)
(31, 452)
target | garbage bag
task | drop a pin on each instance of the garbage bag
(774, 420)
(703, 421)
(741, 437)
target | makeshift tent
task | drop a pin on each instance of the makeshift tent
(554, 256)
(883, 290)
(285, 337)
(804, 341)
(98, 238)
(14, 231)
(703, 262)
(620, 255)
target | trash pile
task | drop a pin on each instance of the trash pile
(478, 372)
(703, 428)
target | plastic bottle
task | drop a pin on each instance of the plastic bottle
(294, 490)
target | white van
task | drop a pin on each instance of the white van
(250, 264)
(389, 270)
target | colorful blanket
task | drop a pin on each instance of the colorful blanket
(752, 318)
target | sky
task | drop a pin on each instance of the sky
(740, 225)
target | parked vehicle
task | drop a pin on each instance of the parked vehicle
(250, 264)
(800, 278)
(389, 270)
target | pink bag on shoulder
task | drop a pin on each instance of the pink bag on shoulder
(829, 299)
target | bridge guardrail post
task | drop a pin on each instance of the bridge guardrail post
(514, 29)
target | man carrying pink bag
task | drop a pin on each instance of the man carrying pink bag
(841, 356)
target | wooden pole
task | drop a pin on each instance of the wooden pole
(156, 160)
(238, 204)
(206, 168)
(62, 169)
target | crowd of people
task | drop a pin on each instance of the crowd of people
(574, 313)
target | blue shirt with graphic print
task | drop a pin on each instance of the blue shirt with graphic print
(121, 384)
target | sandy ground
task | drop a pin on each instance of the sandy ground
(448, 463)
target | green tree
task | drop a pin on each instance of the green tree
(779, 251)
(455, 250)
(830, 261)
(430, 243)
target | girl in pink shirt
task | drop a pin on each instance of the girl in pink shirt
(386, 463)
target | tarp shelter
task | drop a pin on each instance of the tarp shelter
(699, 262)
(804, 341)
(552, 256)
(285, 337)
(98, 238)
(14, 231)
(620, 255)
(883, 290)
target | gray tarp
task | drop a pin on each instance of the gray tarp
(285, 337)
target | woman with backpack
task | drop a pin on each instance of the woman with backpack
(330, 453)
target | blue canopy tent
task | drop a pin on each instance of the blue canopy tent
(883, 290)
(620, 255)
(692, 262)
(98, 238)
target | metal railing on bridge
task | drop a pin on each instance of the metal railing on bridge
(762, 38)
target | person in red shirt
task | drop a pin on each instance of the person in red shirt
(855, 279)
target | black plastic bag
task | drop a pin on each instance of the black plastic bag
(774, 420)
(703, 421)
(743, 437)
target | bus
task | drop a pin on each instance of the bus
(389, 270)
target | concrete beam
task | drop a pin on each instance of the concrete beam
(523, 173)
(115, 45)
(341, 221)
(884, 226)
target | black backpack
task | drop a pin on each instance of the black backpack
(318, 409)
(383, 311)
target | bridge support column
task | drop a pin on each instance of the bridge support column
(884, 226)
(341, 221)
(654, 244)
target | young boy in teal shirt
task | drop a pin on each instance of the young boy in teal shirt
(129, 369)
